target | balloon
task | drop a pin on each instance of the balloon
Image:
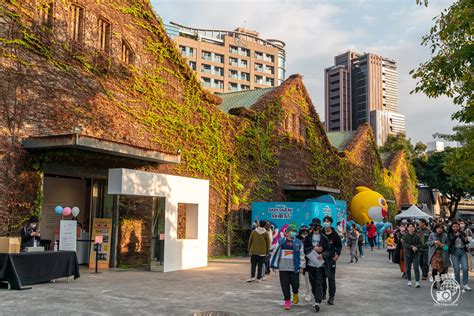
(75, 211)
(67, 211)
(58, 210)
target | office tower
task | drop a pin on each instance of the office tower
(227, 61)
(363, 88)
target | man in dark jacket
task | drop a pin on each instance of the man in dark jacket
(316, 248)
(30, 233)
(411, 246)
(335, 247)
(424, 233)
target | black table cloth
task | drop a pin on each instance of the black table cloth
(21, 269)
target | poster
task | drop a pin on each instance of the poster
(101, 227)
(68, 235)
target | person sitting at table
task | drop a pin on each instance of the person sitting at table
(30, 233)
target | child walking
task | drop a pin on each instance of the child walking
(289, 259)
(390, 246)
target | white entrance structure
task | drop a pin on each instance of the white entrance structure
(179, 254)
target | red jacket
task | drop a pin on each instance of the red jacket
(371, 230)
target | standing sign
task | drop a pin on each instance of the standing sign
(101, 228)
(68, 235)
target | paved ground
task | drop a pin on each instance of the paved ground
(373, 286)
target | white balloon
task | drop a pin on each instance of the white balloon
(75, 211)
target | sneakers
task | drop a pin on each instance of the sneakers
(259, 280)
(417, 284)
(467, 288)
(264, 278)
(307, 297)
(296, 298)
(287, 305)
(331, 301)
(251, 280)
(409, 283)
(317, 307)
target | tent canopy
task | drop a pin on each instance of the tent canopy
(413, 212)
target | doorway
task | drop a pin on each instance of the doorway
(158, 234)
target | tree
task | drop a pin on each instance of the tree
(399, 141)
(449, 71)
(454, 183)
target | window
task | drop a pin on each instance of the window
(258, 55)
(244, 52)
(219, 84)
(270, 82)
(233, 61)
(206, 55)
(219, 71)
(233, 49)
(206, 82)
(192, 64)
(206, 68)
(269, 70)
(269, 58)
(187, 221)
(128, 55)
(258, 79)
(245, 87)
(104, 35)
(76, 23)
(258, 67)
(243, 63)
(234, 74)
(233, 86)
(245, 76)
(186, 51)
(47, 14)
(218, 58)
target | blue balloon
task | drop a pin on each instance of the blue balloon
(58, 209)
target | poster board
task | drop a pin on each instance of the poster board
(101, 227)
(68, 235)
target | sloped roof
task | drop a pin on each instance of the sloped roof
(340, 139)
(239, 99)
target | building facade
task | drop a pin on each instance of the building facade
(363, 88)
(229, 61)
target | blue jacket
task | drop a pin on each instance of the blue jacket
(298, 255)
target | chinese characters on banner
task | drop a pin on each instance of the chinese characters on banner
(101, 227)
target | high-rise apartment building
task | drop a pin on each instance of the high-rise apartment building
(227, 61)
(363, 88)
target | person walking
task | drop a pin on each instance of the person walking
(371, 234)
(468, 232)
(424, 233)
(458, 253)
(335, 248)
(390, 246)
(289, 259)
(258, 247)
(438, 255)
(268, 228)
(411, 245)
(303, 233)
(399, 251)
(316, 248)
(341, 232)
(360, 243)
(352, 238)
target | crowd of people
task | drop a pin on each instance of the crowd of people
(312, 251)
(417, 245)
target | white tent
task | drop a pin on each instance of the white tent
(413, 212)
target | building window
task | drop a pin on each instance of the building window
(234, 74)
(258, 67)
(206, 55)
(104, 34)
(128, 55)
(233, 49)
(258, 79)
(187, 221)
(233, 87)
(206, 82)
(270, 82)
(245, 76)
(258, 55)
(76, 23)
(219, 84)
(218, 58)
(206, 68)
(244, 52)
(270, 58)
(243, 63)
(219, 71)
(245, 87)
(47, 14)
(192, 64)
(233, 61)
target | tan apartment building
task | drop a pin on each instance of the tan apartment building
(228, 61)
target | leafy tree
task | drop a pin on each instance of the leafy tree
(455, 183)
(399, 141)
(449, 72)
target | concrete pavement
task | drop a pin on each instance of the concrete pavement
(371, 287)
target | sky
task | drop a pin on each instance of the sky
(316, 30)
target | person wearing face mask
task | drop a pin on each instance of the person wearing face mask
(464, 228)
(30, 235)
(289, 259)
(457, 250)
(399, 254)
(411, 246)
(335, 247)
(438, 255)
(316, 248)
(304, 232)
(424, 233)
(352, 240)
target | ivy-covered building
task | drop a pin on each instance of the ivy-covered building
(89, 86)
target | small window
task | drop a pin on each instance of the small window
(76, 23)
(296, 125)
(47, 14)
(104, 34)
(187, 221)
(128, 55)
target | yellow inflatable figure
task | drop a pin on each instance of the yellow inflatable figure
(368, 205)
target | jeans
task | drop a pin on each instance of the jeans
(257, 260)
(459, 257)
(330, 278)
(361, 249)
(414, 259)
(353, 251)
(372, 242)
(390, 254)
(289, 279)
(316, 278)
(424, 264)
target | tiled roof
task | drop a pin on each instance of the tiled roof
(340, 139)
(239, 99)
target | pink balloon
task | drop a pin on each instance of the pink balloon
(67, 211)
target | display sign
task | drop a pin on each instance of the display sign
(68, 235)
(101, 228)
(99, 239)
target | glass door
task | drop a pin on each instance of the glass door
(158, 234)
